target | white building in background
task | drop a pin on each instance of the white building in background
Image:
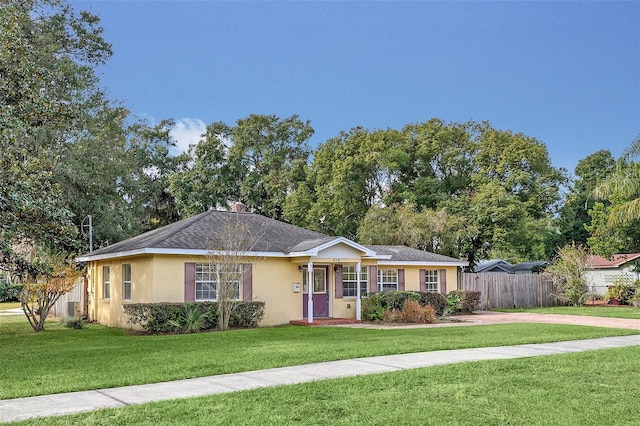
(605, 272)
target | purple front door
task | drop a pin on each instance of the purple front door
(320, 292)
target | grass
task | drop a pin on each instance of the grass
(588, 388)
(629, 312)
(63, 360)
(9, 305)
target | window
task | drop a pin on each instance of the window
(207, 286)
(388, 279)
(349, 279)
(431, 280)
(126, 288)
(106, 282)
(319, 280)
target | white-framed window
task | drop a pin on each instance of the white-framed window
(126, 282)
(207, 286)
(387, 279)
(106, 282)
(431, 280)
(350, 278)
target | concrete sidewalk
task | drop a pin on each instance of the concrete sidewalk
(75, 402)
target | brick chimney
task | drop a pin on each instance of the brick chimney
(238, 207)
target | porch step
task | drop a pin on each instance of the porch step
(325, 321)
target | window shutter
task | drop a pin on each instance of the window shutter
(401, 279)
(443, 281)
(339, 286)
(189, 282)
(247, 282)
(423, 280)
(373, 279)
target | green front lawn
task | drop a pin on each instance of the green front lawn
(64, 360)
(9, 305)
(588, 388)
(630, 312)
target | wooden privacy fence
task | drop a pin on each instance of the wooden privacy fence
(506, 291)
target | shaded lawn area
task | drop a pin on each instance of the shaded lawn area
(587, 388)
(64, 360)
(630, 312)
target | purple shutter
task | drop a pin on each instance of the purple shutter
(373, 279)
(339, 286)
(247, 282)
(401, 279)
(189, 282)
(423, 280)
(443, 281)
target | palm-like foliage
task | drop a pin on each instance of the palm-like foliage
(624, 184)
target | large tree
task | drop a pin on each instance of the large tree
(48, 92)
(574, 215)
(259, 161)
(615, 219)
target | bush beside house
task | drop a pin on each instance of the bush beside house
(417, 307)
(190, 317)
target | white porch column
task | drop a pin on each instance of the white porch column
(358, 303)
(310, 292)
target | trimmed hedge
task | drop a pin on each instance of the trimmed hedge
(157, 317)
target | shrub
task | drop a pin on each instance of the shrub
(163, 317)
(189, 320)
(390, 306)
(470, 301)
(622, 291)
(453, 302)
(390, 316)
(76, 323)
(394, 300)
(413, 312)
(463, 301)
(372, 309)
(436, 300)
(8, 291)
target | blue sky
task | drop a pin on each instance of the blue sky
(566, 73)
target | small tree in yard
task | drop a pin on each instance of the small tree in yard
(228, 254)
(41, 290)
(568, 271)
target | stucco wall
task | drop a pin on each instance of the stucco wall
(160, 278)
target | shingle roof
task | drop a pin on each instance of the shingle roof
(494, 265)
(198, 233)
(408, 254)
(599, 262)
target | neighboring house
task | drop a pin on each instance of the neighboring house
(604, 272)
(502, 266)
(534, 267)
(170, 264)
(494, 265)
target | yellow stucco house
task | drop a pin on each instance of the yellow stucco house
(171, 264)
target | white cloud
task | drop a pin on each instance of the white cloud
(187, 131)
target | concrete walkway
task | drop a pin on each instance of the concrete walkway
(75, 402)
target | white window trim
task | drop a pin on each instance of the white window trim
(364, 281)
(381, 282)
(126, 282)
(106, 282)
(215, 287)
(429, 273)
